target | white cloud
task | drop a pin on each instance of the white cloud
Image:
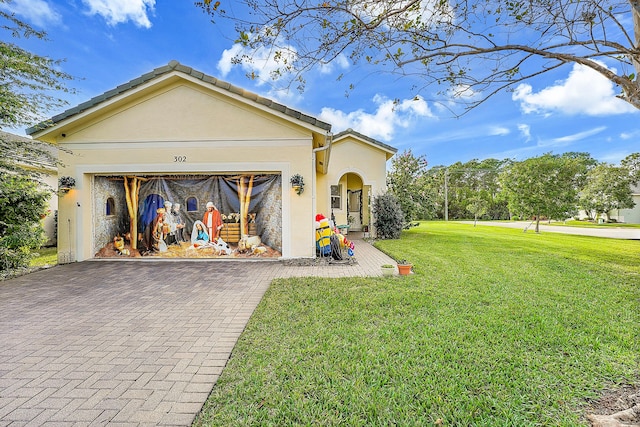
(383, 123)
(119, 11)
(630, 135)
(455, 97)
(226, 60)
(525, 130)
(563, 141)
(583, 92)
(464, 92)
(341, 62)
(398, 14)
(265, 64)
(36, 11)
(544, 146)
(498, 131)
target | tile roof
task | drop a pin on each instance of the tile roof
(350, 131)
(165, 69)
(28, 151)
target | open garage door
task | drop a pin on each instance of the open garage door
(188, 216)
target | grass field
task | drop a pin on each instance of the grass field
(495, 328)
(44, 257)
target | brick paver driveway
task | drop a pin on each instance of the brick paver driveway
(130, 343)
(120, 342)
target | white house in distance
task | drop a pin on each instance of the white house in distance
(176, 135)
(630, 216)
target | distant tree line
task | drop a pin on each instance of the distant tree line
(552, 186)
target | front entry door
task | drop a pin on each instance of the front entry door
(354, 209)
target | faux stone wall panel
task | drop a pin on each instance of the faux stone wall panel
(107, 226)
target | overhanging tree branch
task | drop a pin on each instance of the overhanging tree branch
(455, 42)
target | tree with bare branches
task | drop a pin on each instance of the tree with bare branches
(473, 50)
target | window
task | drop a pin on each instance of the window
(336, 199)
(192, 204)
(110, 208)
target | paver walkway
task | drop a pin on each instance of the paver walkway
(130, 343)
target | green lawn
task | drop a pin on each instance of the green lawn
(496, 328)
(44, 257)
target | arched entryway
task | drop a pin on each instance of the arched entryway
(350, 202)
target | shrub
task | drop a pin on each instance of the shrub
(389, 218)
(22, 204)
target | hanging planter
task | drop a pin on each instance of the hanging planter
(66, 183)
(297, 183)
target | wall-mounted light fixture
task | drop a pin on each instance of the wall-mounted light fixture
(66, 183)
(297, 183)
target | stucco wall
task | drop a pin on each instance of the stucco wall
(179, 109)
(323, 195)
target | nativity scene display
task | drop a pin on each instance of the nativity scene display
(188, 216)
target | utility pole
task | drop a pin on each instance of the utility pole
(446, 191)
(446, 184)
(446, 194)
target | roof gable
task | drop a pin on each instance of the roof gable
(351, 134)
(28, 152)
(179, 111)
(163, 73)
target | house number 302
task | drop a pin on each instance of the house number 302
(179, 159)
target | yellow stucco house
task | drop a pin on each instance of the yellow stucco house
(176, 136)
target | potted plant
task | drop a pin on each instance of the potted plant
(404, 267)
(388, 269)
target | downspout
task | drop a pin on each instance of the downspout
(328, 139)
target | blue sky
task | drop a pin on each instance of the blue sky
(108, 42)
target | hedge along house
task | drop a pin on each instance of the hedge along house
(177, 135)
(48, 174)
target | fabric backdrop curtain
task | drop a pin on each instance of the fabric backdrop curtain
(222, 190)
